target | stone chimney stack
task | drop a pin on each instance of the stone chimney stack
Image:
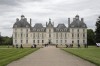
(53, 23)
(82, 19)
(30, 21)
(68, 22)
(46, 23)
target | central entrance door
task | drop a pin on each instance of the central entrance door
(49, 42)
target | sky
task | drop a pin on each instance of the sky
(41, 10)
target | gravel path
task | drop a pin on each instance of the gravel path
(50, 56)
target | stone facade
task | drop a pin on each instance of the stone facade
(25, 34)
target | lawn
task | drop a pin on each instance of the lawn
(91, 54)
(8, 55)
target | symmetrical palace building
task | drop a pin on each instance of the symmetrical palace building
(25, 34)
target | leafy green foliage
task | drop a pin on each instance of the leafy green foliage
(90, 37)
(90, 54)
(97, 31)
(11, 54)
(6, 40)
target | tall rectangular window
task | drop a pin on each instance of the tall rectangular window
(78, 35)
(38, 41)
(21, 30)
(21, 35)
(61, 35)
(27, 35)
(38, 35)
(65, 36)
(42, 36)
(21, 41)
(33, 41)
(78, 41)
(33, 35)
(56, 35)
(72, 35)
(83, 35)
(15, 41)
(26, 41)
(56, 41)
(83, 41)
(72, 42)
(61, 41)
(65, 41)
(49, 35)
(72, 30)
(49, 30)
(15, 34)
(42, 41)
(83, 30)
(77, 30)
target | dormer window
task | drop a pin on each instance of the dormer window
(42, 29)
(57, 29)
(72, 26)
(65, 29)
(15, 26)
(38, 30)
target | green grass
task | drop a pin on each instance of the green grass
(8, 55)
(5, 46)
(91, 54)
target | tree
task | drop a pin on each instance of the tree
(90, 37)
(0, 40)
(6, 40)
(97, 31)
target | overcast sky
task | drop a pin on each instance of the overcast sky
(41, 10)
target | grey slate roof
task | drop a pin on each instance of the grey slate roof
(78, 24)
(21, 23)
(38, 27)
(60, 27)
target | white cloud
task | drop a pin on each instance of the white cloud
(41, 10)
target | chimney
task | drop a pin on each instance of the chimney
(30, 21)
(68, 22)
(82, 20)
(46, 23)
(53, 23)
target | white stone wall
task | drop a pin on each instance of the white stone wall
(44, 36)
(81, 32)
(22, 36)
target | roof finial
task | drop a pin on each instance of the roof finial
(22, 16)
(49, 20)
